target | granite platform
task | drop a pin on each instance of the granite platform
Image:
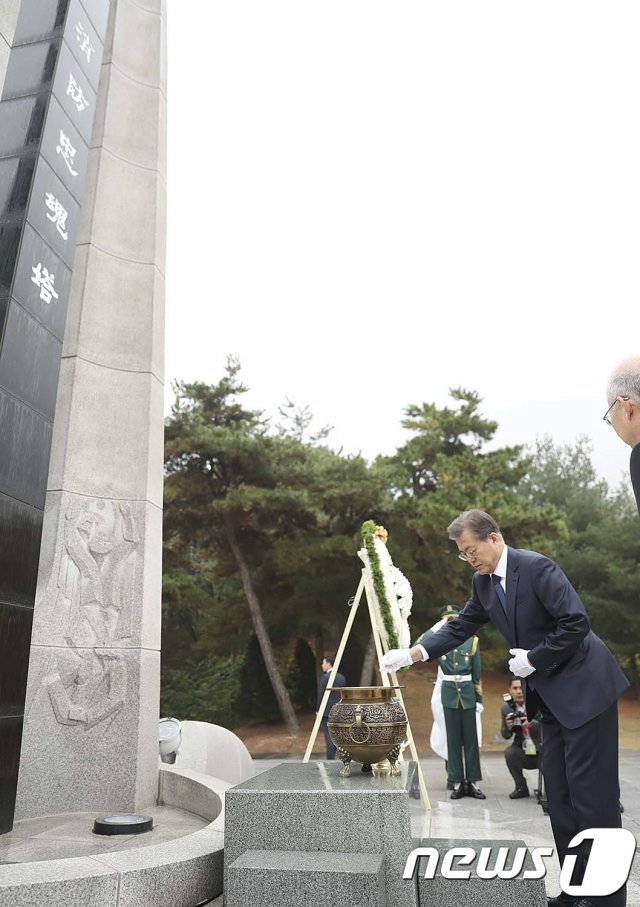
(290, 829)
(308, 807)
(497, 818)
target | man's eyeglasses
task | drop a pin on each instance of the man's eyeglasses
(468, 555)
(607, 418)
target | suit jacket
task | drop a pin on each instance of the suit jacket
(576, 675)
(338, 681)
(634, 467)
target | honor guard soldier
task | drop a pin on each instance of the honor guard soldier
(461, 691)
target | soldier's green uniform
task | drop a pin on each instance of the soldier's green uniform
(460, 695)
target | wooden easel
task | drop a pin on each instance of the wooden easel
(366, 586)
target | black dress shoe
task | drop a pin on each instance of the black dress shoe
(450, 785)
(458, 791)
(562, 900)
(519, 793)
(474, 791)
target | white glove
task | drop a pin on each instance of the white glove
(479, 708)
(519, 664)
(396, 658)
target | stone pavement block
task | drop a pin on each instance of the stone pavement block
(177, 873)
(293, 878)
(58, 883)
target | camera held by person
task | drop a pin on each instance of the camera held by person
(524, 750)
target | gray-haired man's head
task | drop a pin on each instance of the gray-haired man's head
(478, 538)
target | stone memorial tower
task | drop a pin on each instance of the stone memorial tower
(89, 737)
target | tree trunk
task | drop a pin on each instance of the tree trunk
(282, 696)
(368, 663)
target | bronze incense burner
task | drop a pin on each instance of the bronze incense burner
(368, 725)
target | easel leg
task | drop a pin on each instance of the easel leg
(334, 671)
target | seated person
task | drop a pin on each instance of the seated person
(524, 751)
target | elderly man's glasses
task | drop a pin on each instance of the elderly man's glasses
(607, 417)
(468, 555)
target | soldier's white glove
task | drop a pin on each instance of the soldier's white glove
(520, 664)
(479, 708)
(396, 658)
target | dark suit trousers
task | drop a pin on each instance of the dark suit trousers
(331, 747)
(517, 761)
(580, 768)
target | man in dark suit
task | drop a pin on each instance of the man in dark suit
(572, 678)
(338, 681)
(623, 395)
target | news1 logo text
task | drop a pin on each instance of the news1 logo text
(607, 870)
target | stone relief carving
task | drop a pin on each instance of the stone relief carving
(95, 567)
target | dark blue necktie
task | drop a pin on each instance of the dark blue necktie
(500, 592)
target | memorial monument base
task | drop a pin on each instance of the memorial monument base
(299, 833)
(178, 864)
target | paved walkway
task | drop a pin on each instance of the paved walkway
(501, 818)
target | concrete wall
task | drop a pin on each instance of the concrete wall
(8, 17)
(91, 735)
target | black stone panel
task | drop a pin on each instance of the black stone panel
(22, 124)
(31, 68)
(16, 176)
(15, 640)
(30, 365)
(51, 222)
(4, 309)
(40, 19)
(84, 41)
(59, 131)
(74, 93)
(20, 531)
(9, 247)
(35, 261)
(10, 740)
(98, 12)
(25, 445)
(46, 117)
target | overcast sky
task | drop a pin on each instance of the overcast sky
(372, 202)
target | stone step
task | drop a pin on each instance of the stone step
(475, 891)
(297, 878)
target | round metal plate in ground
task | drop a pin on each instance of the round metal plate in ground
(122, 825)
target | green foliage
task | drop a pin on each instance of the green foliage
(601, 549)
(256, 701)
(204, 691)
(443, 469)
(296, 509)
(368, 533)
(301, 677)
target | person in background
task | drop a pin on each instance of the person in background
(523, 752)
(338, 681)
(623, 414)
